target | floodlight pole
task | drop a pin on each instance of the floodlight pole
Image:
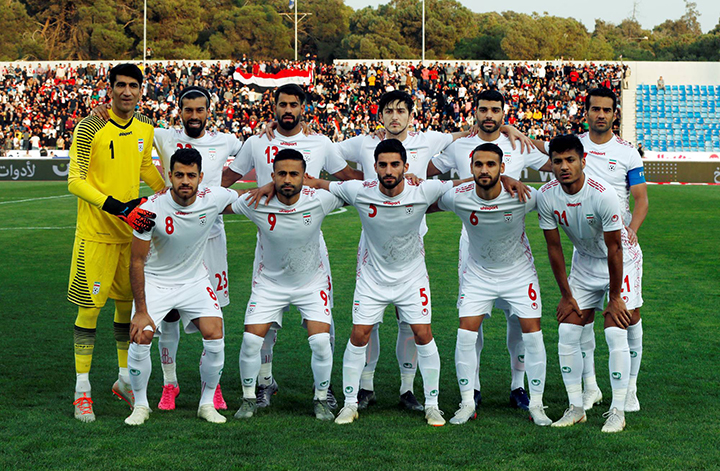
(296, 21)
(144, 33)
(423, 31)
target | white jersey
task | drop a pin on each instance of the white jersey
(458, 156)
(584, 216)
(393, 251)
(178, 239)
(612, 161)
(495, 228)
(214, 147)
(258, 153)
(289, 236)
(420, 148)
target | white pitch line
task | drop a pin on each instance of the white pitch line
(36, 199)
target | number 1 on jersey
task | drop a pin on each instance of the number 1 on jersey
(273, 150)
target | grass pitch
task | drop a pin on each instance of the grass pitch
(677, 428)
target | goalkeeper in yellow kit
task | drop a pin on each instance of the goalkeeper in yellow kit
(107, 161)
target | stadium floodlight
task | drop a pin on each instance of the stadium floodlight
(144, 32)
(423, 31)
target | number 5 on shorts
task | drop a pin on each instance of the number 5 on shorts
(424, 297)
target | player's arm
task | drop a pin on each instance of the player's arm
(616, 306)
(432, 170)
(229, 177)
(567, 304)
(348, 173)
(515, 187)
(149, 172)
(138, 254)
(642, 204)
(459, 134)
(316, 183)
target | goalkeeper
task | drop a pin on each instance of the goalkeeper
(107, 161)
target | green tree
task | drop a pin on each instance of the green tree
(374, 35)
(18, 41)
(324, 29)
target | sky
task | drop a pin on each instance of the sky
(649, 13)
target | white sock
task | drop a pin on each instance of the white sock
(571, 363)
(353, 362)
(619, 362)
(139, 360)
(321, 363)
(465, 364)
(407, 356)
(429, 364)
(82, 382)
(536, 364)
(371, 360)
(168, 346)
(587, 346)
(516, 348)
(635, 335)
(211, 366)
(479, 343)
(249, 363)
(266, 357)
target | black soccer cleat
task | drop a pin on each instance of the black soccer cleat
(409, 402)
(478, 398)
(519, 399)
(366, 398)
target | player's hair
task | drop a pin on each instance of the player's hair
(186, 156)
(128, 70)
(489, 147)
(194, 92)
(391, 146)
(491, 95)
(565, 143)
(289, 154)
(392, 97)
(601, 92)
(291, 89)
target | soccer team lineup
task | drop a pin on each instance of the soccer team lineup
(163, 260)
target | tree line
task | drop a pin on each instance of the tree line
(221, 29)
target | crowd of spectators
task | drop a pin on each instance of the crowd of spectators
(40, 105)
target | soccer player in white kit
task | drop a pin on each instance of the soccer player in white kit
(289, 270)
(498, 264)
(590, 214)
(392, 269)
(258, 153)
(490, 116)
(167, 272)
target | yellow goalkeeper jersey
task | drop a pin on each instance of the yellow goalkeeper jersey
(108, 158)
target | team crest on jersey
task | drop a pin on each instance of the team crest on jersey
(307, 218)
(96, 288)
(203, 219)
(590, 218)
(412, 155)
(409, 209)
(141, 145)
(306, 154)
(251, 307)
(508, 216)
(507, 157)
(612, 163)
(356, 306)
(212, 154)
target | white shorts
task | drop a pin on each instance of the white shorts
(191, 300)
(268, 299)
(215, 259)
(521, 293)
(412, 300)
(590, 282)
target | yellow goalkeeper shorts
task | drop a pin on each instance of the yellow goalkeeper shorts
(98, 272)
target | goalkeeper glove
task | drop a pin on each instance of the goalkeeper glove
(139, 219)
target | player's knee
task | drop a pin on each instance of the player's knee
(87, 317)
(123, 310)
(635, 314)
(568, 339)
(172, 316)
(471, 323)
(145, 337)
(214, 331)
(529, 325)
(251, 345)
(320, 345)
(360, 335)
(423, 334)
(617, 339)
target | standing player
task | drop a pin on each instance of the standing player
(167, 272)
(289, 270)
(107, 161)
(392, 269)
(589, 213)
(490, 116)
(258, 153)
(498, 264)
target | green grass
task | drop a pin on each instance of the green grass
(677, 428)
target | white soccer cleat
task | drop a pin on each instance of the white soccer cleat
(208, 412)
(434, 416)
(347, 414)
(615, 421)
(84, 407)
(573, 415)
(631, 401)
(124, 391)
(139, 415)
(465, 413)
(591, 397)
(538, 415)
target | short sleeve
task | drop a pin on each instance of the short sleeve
(545, 214)
(438, 141)
(346, 191)
(234, 145)
(531, 202)
(350, 149)
(240, 206)
(445, 161)
(434, 189)
(535, 159)
(243, 162)
(334, 162)
(447, 201)
(225, 196)
(328, 201)
(609, 211)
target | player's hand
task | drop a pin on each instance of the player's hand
(139, 219)
(516, 137)
(632, 236)
(474, 130)
(567, 307)
(137, 325)
(617, 309)
(413, 179)
(254, 195)
(516, 187)
(380, 133)
(310, 181)
(101, 111)
(306, 128)
(268, 130)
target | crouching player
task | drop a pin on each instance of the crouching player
(167, 272)
(589, 212)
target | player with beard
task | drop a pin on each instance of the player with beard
(215, 149)
(259, 153)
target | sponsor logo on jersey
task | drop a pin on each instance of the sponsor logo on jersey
(203, 219)
(409, 209)
(348, 390)
(566, 369)
(590, 219)
(122, 134)
(425, 311)
(324, 384)
(134, 372)
(611, 164)
(434, 393)
(96, 287)
(521, 358)
(535, 382)
(288, 143)
(633, 354)
(573, 205)
(141, 145)
(534, 306)
(247, 381)
(407, 365)
(307, 218)
(212, 153)
(508, 216)
(463, 382)
(616, 375)
(614, 218)
(488, 208)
